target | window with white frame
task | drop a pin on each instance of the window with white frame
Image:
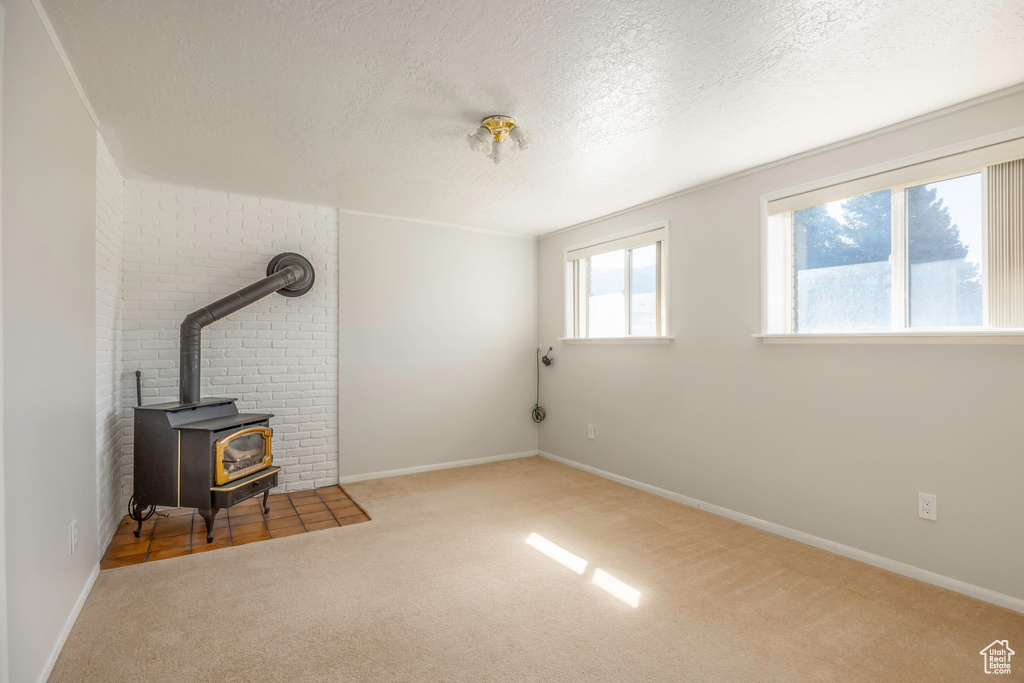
(933, 246)
(617, 288)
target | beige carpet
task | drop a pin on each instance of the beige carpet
(440, 586)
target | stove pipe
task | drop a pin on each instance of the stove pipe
(288, 273)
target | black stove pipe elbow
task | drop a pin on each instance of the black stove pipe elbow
(290, 274)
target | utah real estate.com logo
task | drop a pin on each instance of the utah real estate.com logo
(997, 657)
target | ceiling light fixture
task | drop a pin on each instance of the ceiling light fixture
(494, 137)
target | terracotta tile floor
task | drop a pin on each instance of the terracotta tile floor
(173, 533)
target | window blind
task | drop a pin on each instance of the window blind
(1006, 244)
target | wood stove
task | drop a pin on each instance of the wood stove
(204, 453)
(180, 456)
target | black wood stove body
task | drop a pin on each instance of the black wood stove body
(204, 453)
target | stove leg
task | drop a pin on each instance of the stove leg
(266, 495)
(138, 529)
(208, 517)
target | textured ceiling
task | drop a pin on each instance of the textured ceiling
(366, 105)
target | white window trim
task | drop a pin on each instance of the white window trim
(616, 340)
(973, 336)
(571, 281)
(901, 334)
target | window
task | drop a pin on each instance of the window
(616, 289)
(945, 247)
(934, 246)
(842, 272)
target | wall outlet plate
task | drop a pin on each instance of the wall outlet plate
(590, 431)
(927, 506)
(74, 536)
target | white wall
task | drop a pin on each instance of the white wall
(49, 356)
(185, 248)
(109, 295)
(835, 441)
(4, 678)
(438, 335)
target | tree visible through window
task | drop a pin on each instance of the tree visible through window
(843, 271)
(843, 275)
(945, 287)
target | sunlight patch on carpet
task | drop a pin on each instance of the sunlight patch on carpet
(622, 591)
(557, 553)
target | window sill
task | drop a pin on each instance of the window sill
(616, 340)
(1011, 337)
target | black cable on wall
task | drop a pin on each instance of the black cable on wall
(538, 413)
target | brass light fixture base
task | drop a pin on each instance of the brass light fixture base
(499, 125)
(496, 135)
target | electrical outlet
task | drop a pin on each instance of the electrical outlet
(590, 431)
(74, 536)
(927, 506)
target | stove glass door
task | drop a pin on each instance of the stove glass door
(243, 452)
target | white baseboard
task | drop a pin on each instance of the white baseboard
(68, 624)
(430, 468)
(955, 585)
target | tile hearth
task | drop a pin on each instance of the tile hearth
(177, 532)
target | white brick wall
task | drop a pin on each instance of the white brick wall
(185, 248)
(109, 291)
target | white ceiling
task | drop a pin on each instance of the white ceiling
(365, 105)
